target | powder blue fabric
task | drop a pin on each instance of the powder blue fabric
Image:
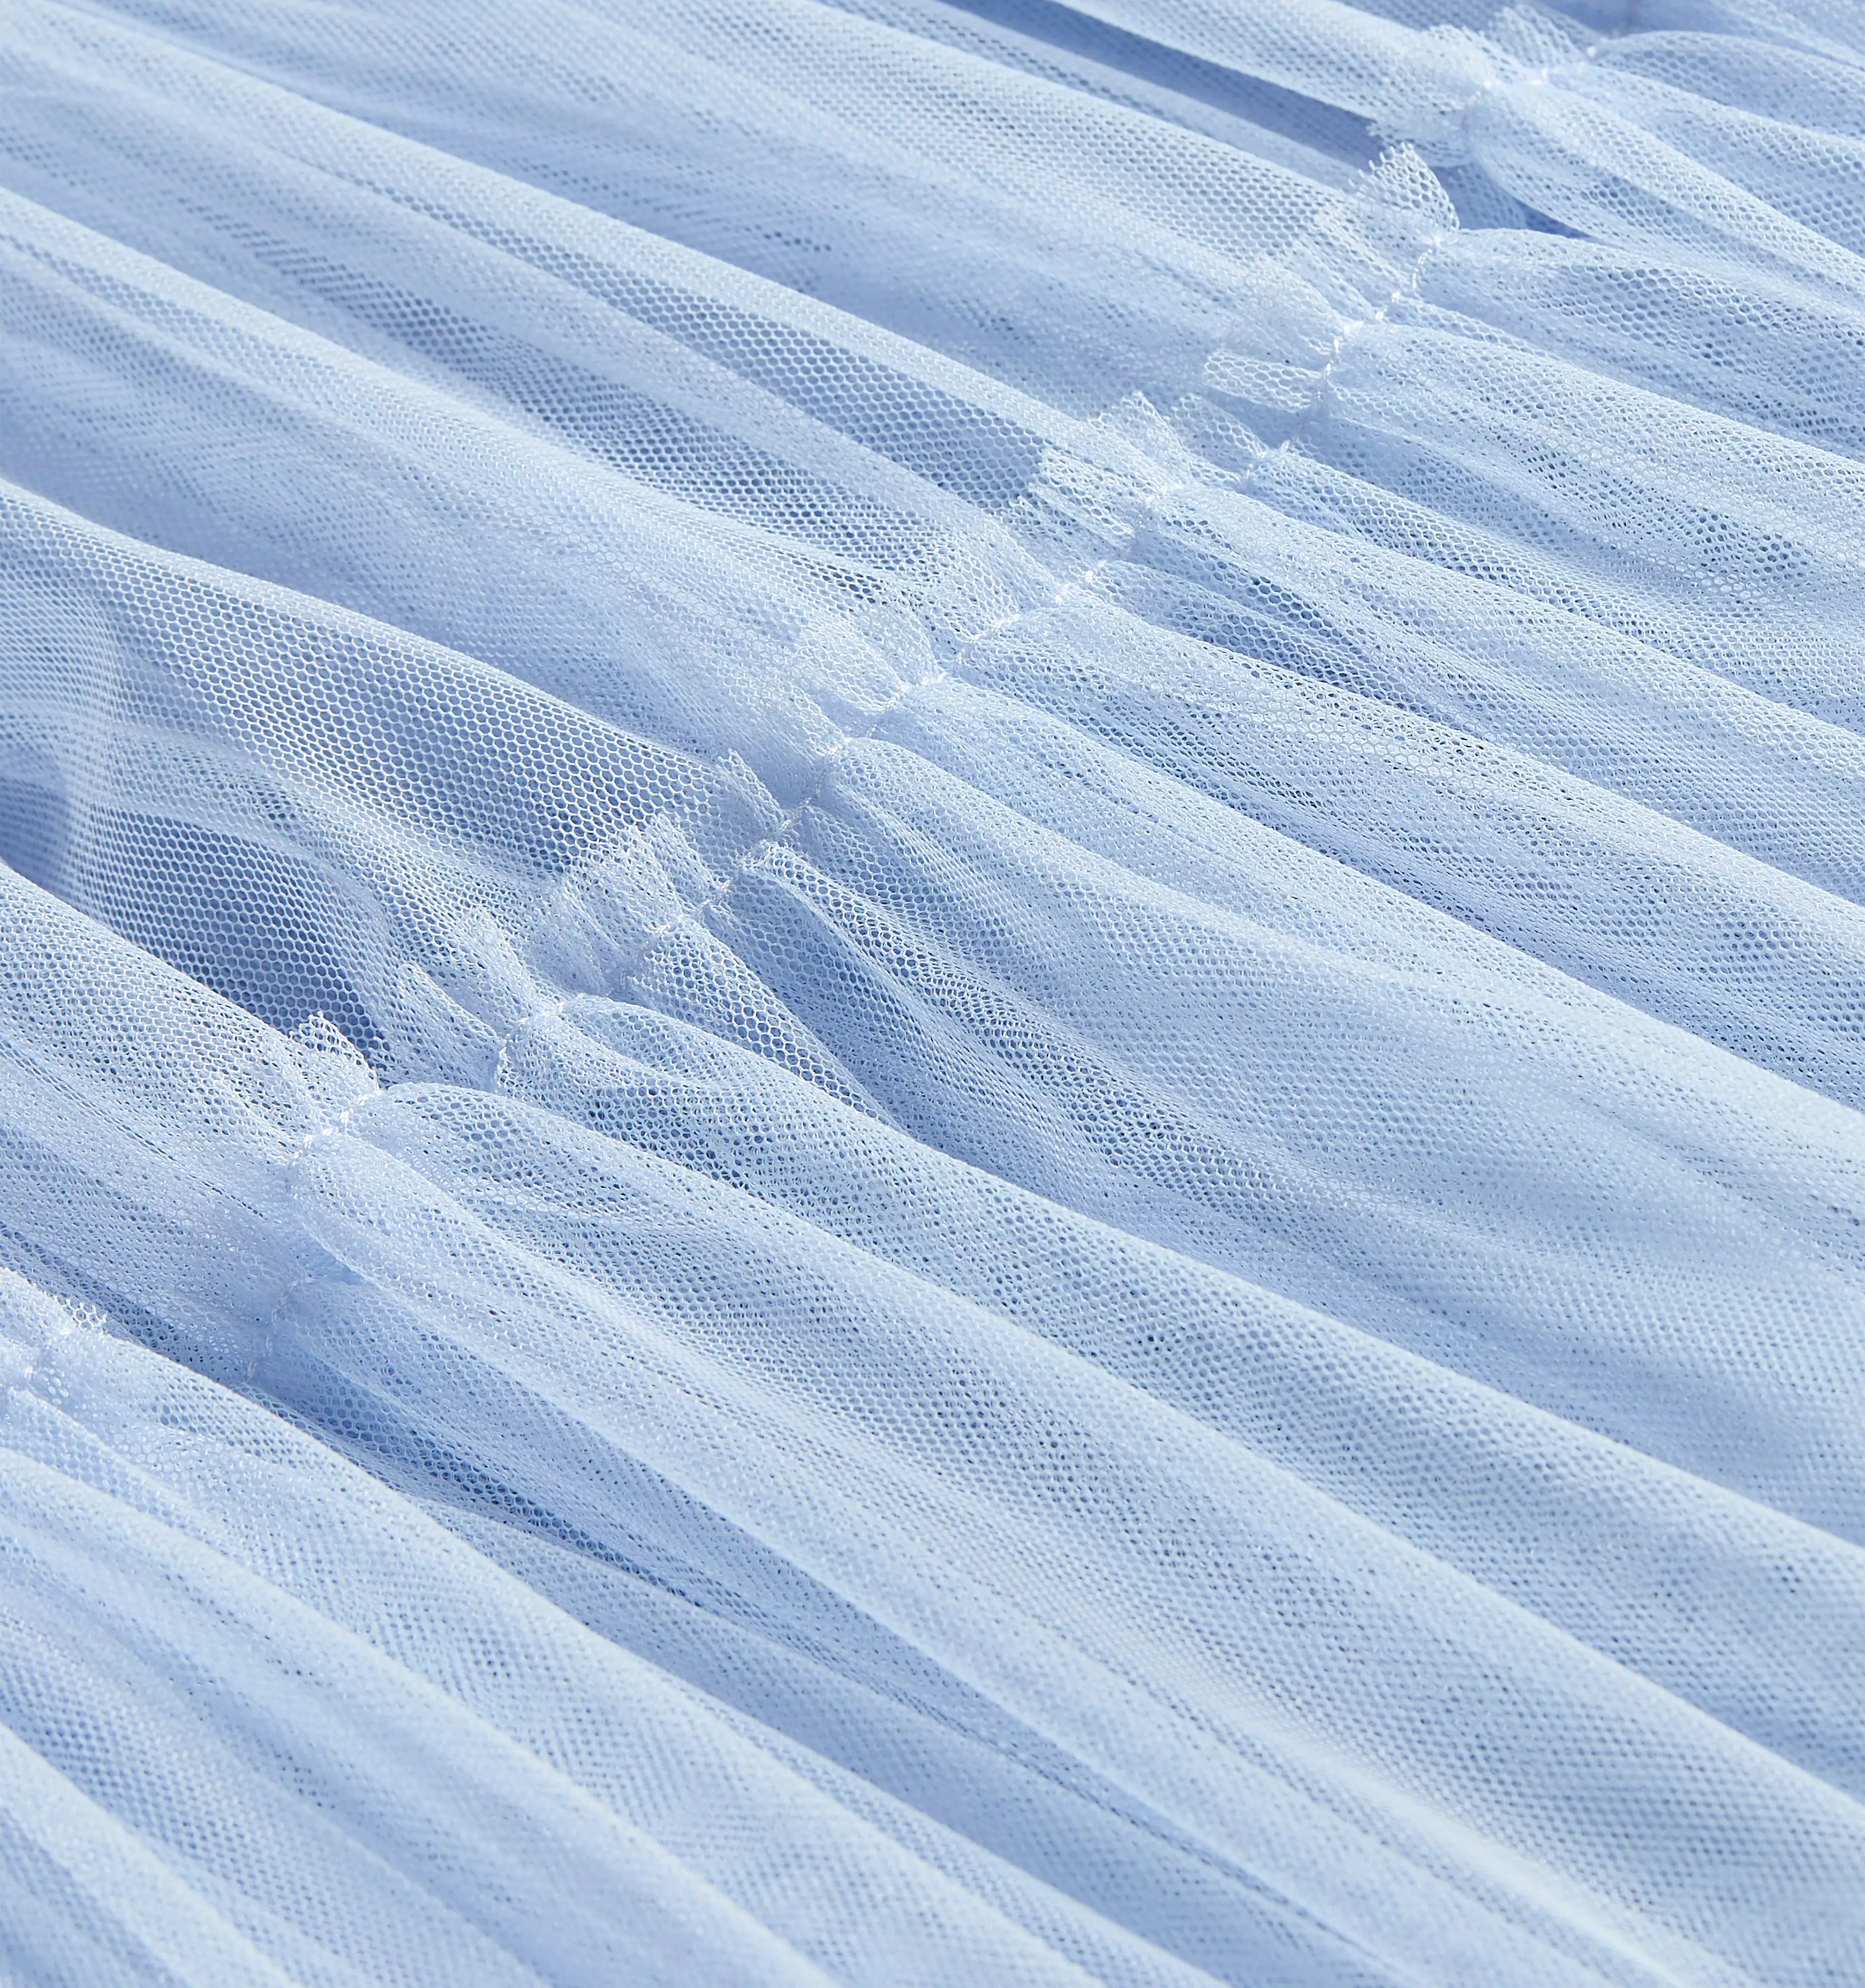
(932, 993)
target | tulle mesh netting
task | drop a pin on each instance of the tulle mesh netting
(932, 992)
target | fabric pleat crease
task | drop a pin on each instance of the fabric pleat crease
(932, 993)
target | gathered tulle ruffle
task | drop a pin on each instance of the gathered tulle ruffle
(930, 1029)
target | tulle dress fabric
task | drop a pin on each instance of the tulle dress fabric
(932, 1013)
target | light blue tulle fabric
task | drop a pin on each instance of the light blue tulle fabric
(932, 993)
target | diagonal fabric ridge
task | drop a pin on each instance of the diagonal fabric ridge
(931, 1037)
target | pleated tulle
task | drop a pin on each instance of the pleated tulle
(932, 993)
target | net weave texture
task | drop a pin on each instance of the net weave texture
(932, 993)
